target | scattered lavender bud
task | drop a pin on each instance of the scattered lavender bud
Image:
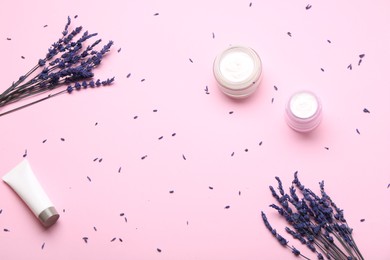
(308, 7)
(227, 207)
(276, 88)
(357, 131)
(184, 157)
(43, 246)
(156, 14)
(365, 110)
(362, 55)
(85, 239)
(289, 34)
(250, 4)
(113, 239)
(159, 250)
(206, 89)
(128, 75)
(191, 60)
(349, 67)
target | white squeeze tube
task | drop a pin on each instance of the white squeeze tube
(23, 181)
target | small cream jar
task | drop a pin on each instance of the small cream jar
(238, 71)
(303, 111)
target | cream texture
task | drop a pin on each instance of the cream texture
(303, 105)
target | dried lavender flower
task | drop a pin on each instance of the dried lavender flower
(316, 221)
(67, 62)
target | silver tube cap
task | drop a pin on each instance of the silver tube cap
(48, 216)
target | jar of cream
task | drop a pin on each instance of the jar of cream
(238, 71)
(303, 111)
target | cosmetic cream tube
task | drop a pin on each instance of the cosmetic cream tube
(23, 181)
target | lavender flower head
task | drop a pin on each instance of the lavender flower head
(67, 65)
(315, 221)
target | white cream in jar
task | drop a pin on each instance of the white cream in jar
(238, 71)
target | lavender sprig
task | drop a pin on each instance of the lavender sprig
(67, 65)
(280, 239)
(316, 221)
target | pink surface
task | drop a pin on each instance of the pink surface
(167, 200)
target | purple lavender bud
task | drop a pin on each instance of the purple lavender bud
(310, 246)
(297, 182)
(65, 32)
(316, 229)
(281, 240)
(69, 89)
(293, 194)
(109, 81)
(41, 63)
(77, 86)
(320, 257)
(279, 209)
(295, 235)
(84, 84)
(98, 83)
(296, 251)
(280, 186)
(274, 194)
(92, 84)
(95, 43)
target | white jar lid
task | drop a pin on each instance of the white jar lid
(238, 71)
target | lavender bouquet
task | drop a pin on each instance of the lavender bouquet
(315, 222)
(67, 66)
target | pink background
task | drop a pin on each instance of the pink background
(192, 222)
